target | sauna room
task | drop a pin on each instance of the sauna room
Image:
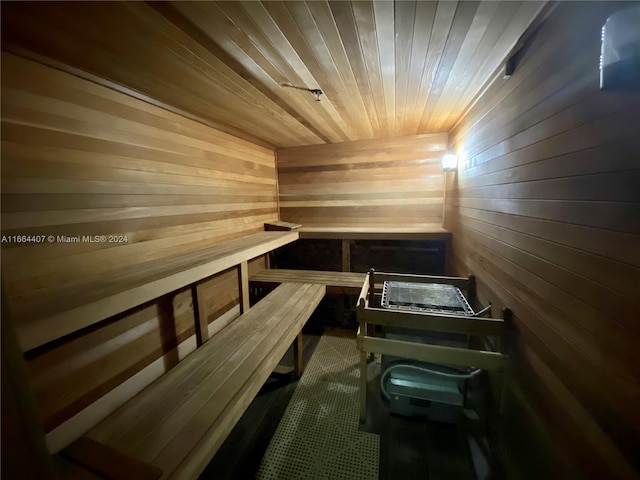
(320, 240)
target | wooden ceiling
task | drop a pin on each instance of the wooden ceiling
(387, 69)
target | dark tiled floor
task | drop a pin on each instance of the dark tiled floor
(240, 454)
(409, 448)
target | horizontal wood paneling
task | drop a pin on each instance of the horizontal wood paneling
(375, 183)
(386, 68)
(217, 296)
(79, 159)
(544, 210)
(82, 159)
(70, 374)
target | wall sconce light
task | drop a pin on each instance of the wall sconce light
(509, 67)
(449, 162)
(620, 51)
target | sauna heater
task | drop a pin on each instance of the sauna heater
(413, 388)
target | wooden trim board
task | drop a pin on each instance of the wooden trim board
(433, 353)
(433, 322)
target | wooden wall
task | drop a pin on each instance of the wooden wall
(367, 183)
(545, 211)
(81, 159)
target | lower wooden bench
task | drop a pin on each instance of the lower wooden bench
(176, 425)
(336, 282)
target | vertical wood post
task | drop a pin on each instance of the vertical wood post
(298, 358)
(346, 255)
(244, 287)
(363, 387)
(372, 294)
(448, 244)
(200, 313)
(471, 291)
(24, 450)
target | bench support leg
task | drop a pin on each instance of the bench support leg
(363, 387)
(346, 255)
(243, 277)
(200, 312)
(298, 359)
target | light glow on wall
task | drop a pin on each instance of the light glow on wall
(449, 162)
(462, 158)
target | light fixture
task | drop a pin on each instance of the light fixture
(449, 162)
(620, 51)
(316, 91)
(509, 67)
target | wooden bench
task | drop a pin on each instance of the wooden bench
(347, 235)
(43, 316)
(175, 426)
(48, 314)
(348, 283)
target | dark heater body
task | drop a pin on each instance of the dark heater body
(437, 392)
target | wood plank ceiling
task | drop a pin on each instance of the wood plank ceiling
(386, 68)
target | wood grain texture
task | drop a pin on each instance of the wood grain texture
(51, 313)
(76, 426)
(79, 159)
(23, 444)
(68, 469)
(218, 295)
(380, 232)
(544, 211)
(336, 282)
(180, 422)
(71, 374)
(389, 183)
(109, 462)
(386, 68)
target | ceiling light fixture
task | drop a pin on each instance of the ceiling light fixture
(316, 91)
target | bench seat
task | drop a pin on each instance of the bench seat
(48, 314)
(349, 283)
(178, 423)
(423, 232)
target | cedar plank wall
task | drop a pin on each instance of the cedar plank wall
(366, 183)
(545, 212)
(81, 159)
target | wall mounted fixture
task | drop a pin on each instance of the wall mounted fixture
(620, 51)
(449, 162)
(509, 67)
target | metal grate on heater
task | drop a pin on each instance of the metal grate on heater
(425, 297)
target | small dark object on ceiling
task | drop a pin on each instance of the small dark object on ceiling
(316, 91)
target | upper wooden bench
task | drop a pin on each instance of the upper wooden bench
(426, 232)
(175, 426)
(52, 313)
(434, 232)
